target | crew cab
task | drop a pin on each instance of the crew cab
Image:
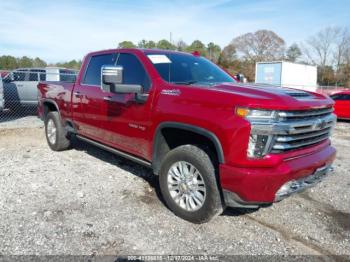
(212, 141)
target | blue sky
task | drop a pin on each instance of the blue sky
(63, 30)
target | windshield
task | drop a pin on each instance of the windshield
(188, 69)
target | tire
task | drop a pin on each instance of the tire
(57, 140)
(195, 210)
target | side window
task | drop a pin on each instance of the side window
(33, 76)
(42, 76)
(336, 97)
(347, 97)
(19, 76)
(36, 74)
(67, 75)
(133, 71)
(93, 71)
(340, 97)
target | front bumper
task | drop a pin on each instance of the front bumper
(253, 187)
(303, 183)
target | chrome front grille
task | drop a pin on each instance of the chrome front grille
(305, 114)
(292, 130)
(306, 128)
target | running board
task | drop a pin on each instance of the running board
(115, 151)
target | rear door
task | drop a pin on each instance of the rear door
(88, 97)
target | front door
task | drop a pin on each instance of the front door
(126, 118)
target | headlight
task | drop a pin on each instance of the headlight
(259, 144)
(256, 114)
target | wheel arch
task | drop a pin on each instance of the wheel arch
(50, 105)
(161, 147)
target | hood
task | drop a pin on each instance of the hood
(274, 97)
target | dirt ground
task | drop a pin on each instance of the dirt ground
(89, 202)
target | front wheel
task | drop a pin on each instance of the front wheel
(188, 184)
(56, 135)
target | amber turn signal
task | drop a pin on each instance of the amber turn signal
(241, 111)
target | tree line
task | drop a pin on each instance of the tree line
(8, 62)
(329, 50)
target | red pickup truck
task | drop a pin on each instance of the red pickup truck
(213, 142)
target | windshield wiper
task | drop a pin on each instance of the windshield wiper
(190, 82)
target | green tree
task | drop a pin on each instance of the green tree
(142, 43)
(73, 64)
(146, 44)
(165, 44)
(293, 53)
(197, 46)
(151, 44)
(25, 62)
(126, 44)
(39, 62)
(8, 62)
(228, 56)
(214, 52)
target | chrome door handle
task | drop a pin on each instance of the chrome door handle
(107, 98)
(76, 93)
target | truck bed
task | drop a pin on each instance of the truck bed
(60, 93)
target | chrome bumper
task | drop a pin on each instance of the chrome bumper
(295, 186)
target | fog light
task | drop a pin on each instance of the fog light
(258, 145)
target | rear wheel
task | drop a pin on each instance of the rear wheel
(188, 184)
(56, 135)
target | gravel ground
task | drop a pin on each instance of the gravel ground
(22, 119)
(89, 202)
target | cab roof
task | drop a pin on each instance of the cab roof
(139, 50)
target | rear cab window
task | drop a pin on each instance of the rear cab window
(67, 75)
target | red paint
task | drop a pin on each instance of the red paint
(342, 107)
(131, 127)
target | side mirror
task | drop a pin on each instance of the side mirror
(112, 81)
(112, 75)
